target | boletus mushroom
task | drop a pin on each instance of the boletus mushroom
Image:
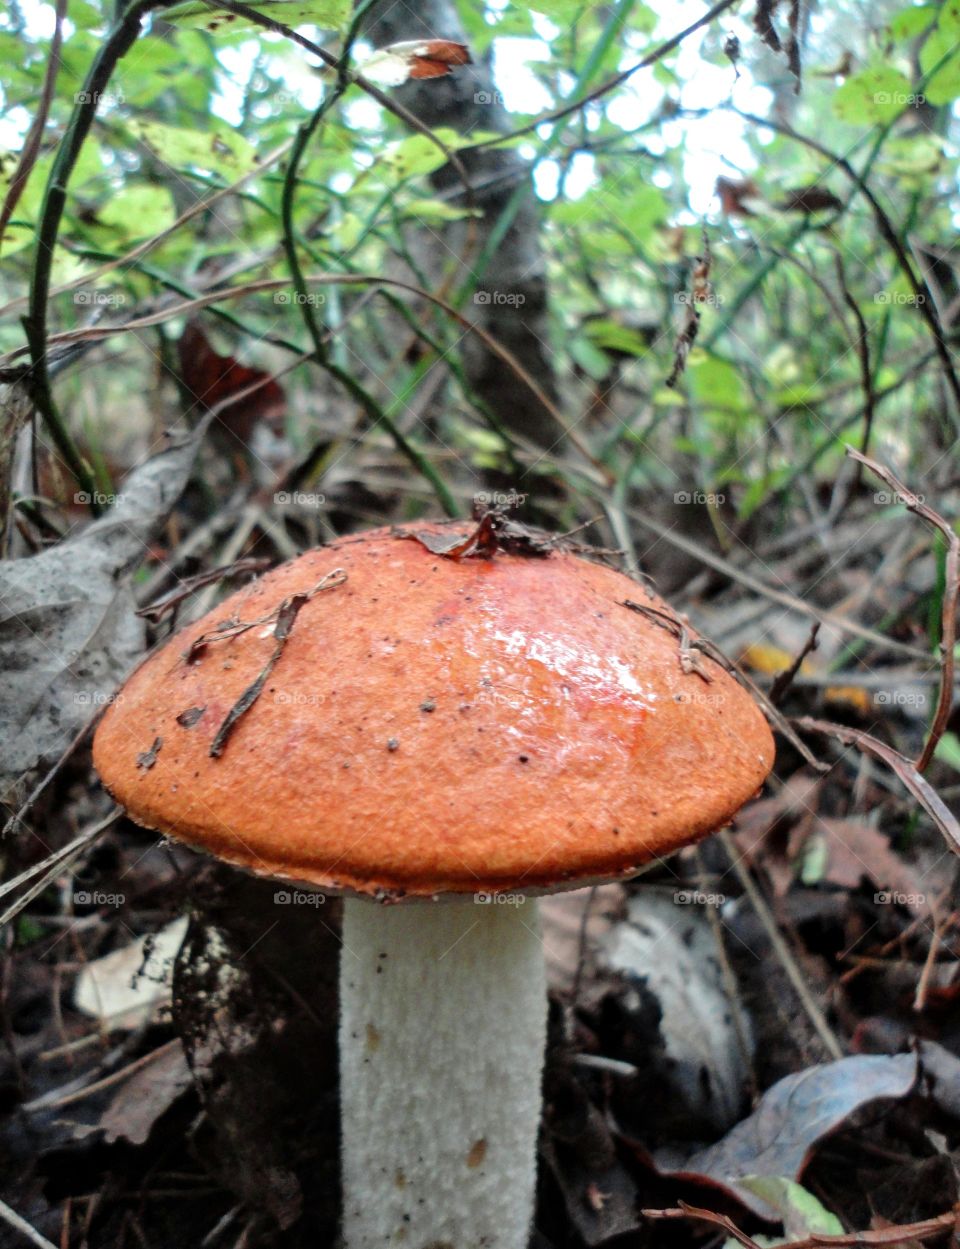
(439, 725)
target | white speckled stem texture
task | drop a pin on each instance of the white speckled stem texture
(443, 1025)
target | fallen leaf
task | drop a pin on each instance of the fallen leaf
(856, 850)
(771, 660)
(797, 1112)
(130, 986)
(770, 832)
(667, 948)
(68, 630)
(600, 1205)
(141, 1100)
(940, 1071)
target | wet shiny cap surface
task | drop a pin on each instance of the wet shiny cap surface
(378, 717)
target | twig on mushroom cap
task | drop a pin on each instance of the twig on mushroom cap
(285, 615)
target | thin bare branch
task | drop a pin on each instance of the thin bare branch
(948, 608)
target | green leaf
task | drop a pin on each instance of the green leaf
(22, 231)
(758, 489)
(714, 384)
(18, 235)
(943, 86)
(803, 1215)
(435, 211)
(637, 212)
(513, 21)
(616, 337)
(813, 863)
(948, 18)
(878, 94)
(590, 358)
(329, 14)
(909, 23)
(85, 16)
(138, 211)
(219, 150)
(346, 234)
(419, 155)
(414, 156)
(913, 156)
(948, 750)
(563, 12)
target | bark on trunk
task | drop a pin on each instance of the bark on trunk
(514, 280)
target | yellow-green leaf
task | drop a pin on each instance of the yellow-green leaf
(878, 94)
(219, 149)
(330, 14)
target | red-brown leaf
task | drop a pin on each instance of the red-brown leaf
(213, 379)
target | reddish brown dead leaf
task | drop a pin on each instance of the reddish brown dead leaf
(398, 63)
(213, 380)
(734, 195)
(809, 199)
(769, 832)
(856, 850)
(149, 1092)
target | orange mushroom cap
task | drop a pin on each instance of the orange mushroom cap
(433, 724)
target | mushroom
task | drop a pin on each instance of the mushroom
(410, 716)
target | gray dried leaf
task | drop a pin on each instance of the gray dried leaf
(68, 632)
(797, 1112)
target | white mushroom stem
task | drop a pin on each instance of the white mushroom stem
(443, 1025)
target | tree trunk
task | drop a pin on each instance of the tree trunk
(511, 291)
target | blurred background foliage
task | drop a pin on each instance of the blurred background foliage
(810, 326)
